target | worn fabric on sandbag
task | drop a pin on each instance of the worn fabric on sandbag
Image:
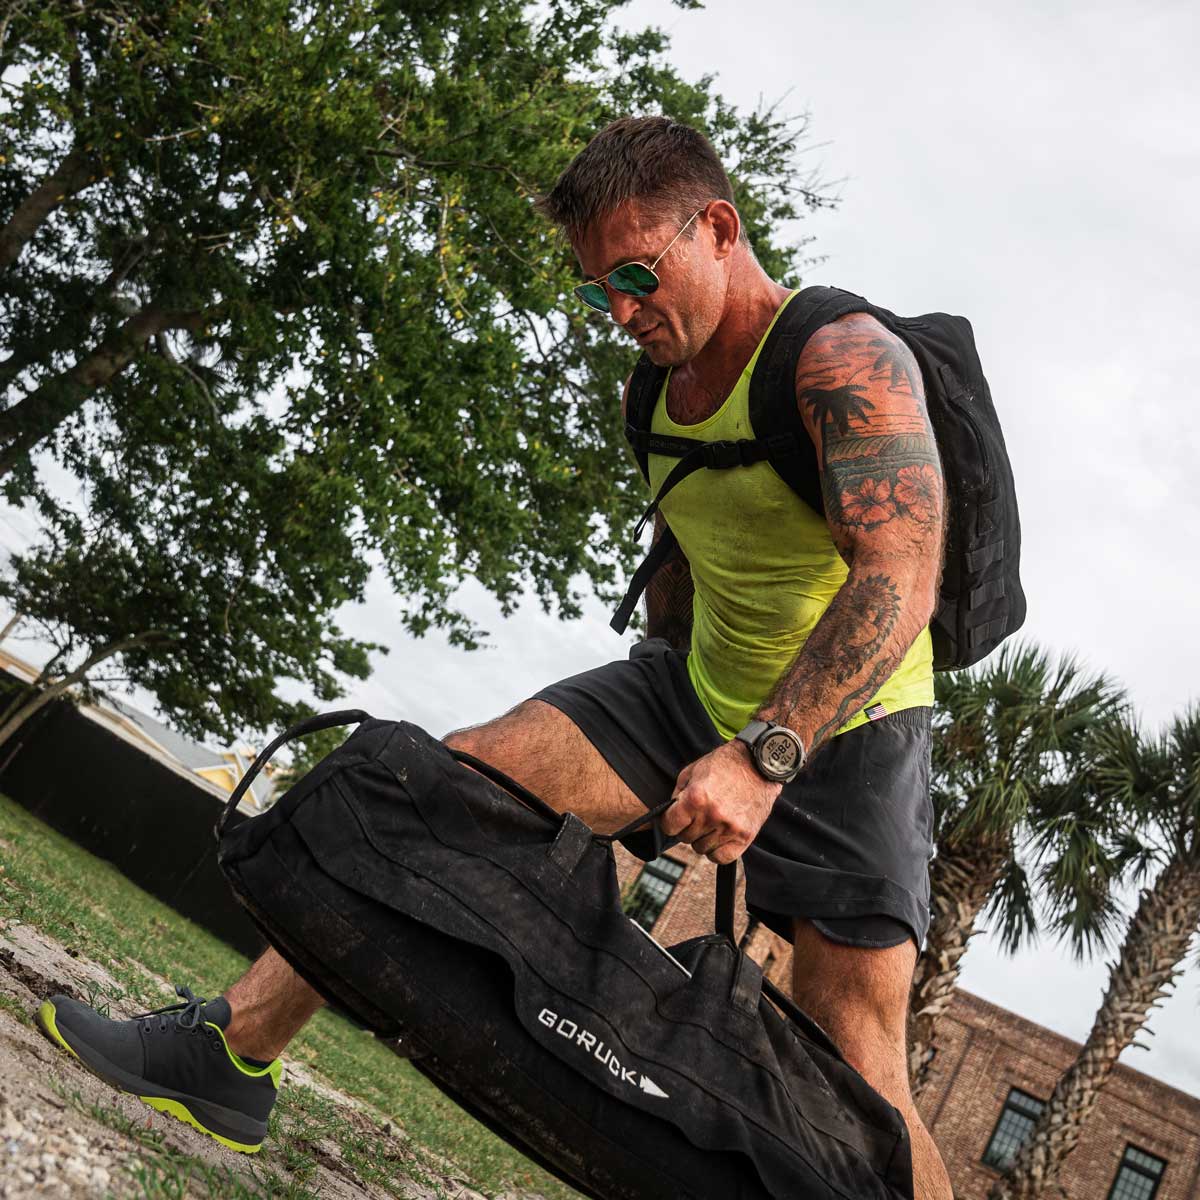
(487, 934)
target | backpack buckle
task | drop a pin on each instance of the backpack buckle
(725, 454)
(720, 455)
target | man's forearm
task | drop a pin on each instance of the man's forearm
(854, 648)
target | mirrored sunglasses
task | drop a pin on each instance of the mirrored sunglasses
(631, 279)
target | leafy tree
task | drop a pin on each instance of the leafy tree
(316, 222)
(1007, 736)
(207, 598)
(1158, 779)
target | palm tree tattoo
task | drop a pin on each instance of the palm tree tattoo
(837, 405)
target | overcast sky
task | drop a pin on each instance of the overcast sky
(1036, 168)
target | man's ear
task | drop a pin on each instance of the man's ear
(726, 227)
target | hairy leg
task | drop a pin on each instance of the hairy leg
(544, 750)
(860, 997)
(270, 1005)
(536, 745)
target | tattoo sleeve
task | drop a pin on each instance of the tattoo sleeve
(669, 597)
(861, 398)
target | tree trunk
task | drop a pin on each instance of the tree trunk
(1155, 945)
(961, 879)
(40, 698)
(24, 691)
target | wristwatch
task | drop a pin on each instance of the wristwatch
(775, 750)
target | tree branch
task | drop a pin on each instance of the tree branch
(69, 178)
(61, 685)
(25, 424)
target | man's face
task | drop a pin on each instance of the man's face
(674, 322)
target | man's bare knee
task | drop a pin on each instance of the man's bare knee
(541, 748)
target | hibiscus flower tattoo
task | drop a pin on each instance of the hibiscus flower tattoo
(917, 490)
(869, 504)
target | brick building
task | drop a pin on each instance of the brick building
(993, 1070)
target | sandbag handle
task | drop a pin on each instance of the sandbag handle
(726, 895)
(498, 777)
(347, 716)
(726, 872)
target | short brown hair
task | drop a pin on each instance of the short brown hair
(671, 169)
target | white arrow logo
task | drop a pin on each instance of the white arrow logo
(596, 1048)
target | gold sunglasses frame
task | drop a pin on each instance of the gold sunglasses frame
(578, 289)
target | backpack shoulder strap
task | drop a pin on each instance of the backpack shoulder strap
(773, 408)
(645, 386)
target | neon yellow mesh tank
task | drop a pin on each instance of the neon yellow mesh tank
(765, 568)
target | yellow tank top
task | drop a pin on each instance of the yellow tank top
(764, 567)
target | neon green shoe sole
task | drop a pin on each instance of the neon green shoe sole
(226, 1125)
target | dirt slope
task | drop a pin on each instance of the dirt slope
(66, 1134)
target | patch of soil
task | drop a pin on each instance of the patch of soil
(51, 1147)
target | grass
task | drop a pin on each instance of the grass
(16, 1009)
(160, 1172)
(85, 903)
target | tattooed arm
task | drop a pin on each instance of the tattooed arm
(861, 399)
(860, 396)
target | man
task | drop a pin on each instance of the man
(802, 633)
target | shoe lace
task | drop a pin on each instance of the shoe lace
(188, 1011)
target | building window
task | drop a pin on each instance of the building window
(1138, 1176)
(1017, 1120)
(651, 890)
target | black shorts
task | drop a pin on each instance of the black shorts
(848, 843)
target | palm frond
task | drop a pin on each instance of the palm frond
(1182, 747)
(1079, 870)
(1011, 905)
(1003, 729)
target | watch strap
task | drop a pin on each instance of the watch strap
(752, 732)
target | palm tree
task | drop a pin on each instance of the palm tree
(1004, 735)
(1160, 779)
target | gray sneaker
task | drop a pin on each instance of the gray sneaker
(175, 1059)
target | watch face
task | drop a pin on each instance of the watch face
(779, 753)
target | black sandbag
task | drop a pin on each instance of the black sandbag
(487, 934)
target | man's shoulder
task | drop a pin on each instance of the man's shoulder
(857, 353)
(852, 336)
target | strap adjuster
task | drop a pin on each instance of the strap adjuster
(720, 455)
(724, 454)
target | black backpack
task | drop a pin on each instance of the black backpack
(457, 912)
(981, 600)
